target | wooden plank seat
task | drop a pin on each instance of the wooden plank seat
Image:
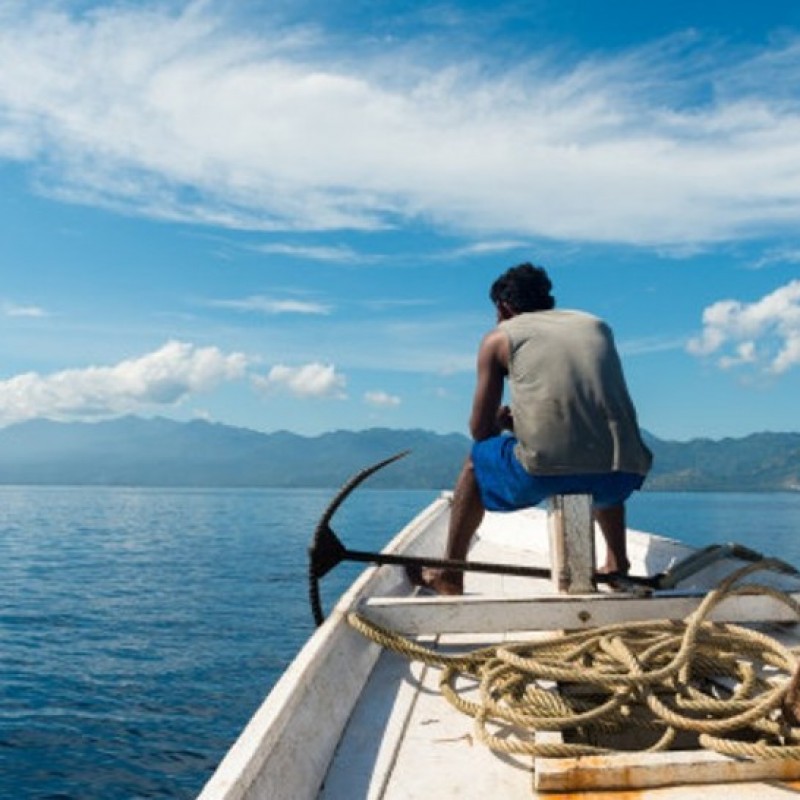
(487, 614)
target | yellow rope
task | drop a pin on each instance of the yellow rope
(724, 683)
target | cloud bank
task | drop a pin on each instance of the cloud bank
(164, 377)
(178, 115)
(167, 377)
(764, 335)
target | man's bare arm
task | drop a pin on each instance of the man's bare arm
(493, 356)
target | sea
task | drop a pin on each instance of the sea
(141, 628)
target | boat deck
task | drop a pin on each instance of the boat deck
(404, 740)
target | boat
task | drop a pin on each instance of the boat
(387, 700)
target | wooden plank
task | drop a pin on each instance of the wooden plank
(478, 614)
(571, 543)
(633, 771)
(651, 770)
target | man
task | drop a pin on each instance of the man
(571, 428)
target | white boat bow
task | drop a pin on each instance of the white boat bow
(350, 719)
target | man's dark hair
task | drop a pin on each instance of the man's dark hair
(523, 288)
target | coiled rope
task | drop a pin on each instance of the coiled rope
(727, 685)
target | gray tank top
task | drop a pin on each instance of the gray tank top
(571, 407)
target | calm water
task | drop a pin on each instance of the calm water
(140, 629)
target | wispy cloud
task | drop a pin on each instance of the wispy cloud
(778, 255)
(267, 305)
(309, 380)
(339, 254)
(176, 115)
(382, 399)
(15, 310)
(164, 377)
(488, 248)
(651, 344)
(384, 303)
(764, 334)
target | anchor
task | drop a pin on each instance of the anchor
(327, 550)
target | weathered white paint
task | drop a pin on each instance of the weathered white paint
(368, 750)
(440, 758)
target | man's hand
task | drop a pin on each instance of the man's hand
(505, 420)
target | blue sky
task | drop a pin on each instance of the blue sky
(286, 215)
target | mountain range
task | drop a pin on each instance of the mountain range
(132, 451)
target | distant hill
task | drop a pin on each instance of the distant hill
(760, 462)
(131, 451)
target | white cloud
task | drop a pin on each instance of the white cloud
(650, 344)
(385, 303)
(177, 116)
(15, 310)
(267, 305)
(382, 399)
(780, 255)
(765, 333)
(488, 248)
(309, 380)
(341, 253)
(164, 377)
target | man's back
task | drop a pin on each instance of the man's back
(570, 403)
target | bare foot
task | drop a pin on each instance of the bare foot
(614, 569)
(611, 581)
(440, 581)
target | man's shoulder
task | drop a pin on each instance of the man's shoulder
(573, 314)
(551, 317)
(495, 341)
(494, 351)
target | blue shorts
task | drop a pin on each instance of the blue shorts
(505, 485)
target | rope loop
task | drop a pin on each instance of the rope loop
(727, 687)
